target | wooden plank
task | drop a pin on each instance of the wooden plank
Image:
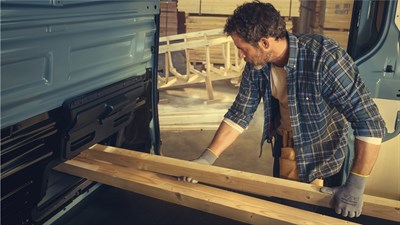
(197, 79)
(239, 180)
(193, 44)
(205, 198)
(218, 31)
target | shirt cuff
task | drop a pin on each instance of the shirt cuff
(234, 125)
(370, 140)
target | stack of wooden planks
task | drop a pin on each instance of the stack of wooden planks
(168, 18)
(226, 7)
(335, 19)
(336, 14)
(206, 15)
(155, 176)
(330, 18)
(195, 23)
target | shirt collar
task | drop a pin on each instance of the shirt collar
(293, 51)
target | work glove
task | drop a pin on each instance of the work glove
(208, 157)
(348, 198)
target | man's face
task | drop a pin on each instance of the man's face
(250, 53)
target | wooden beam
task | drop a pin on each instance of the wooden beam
(218, 31)
(205, 198)
(239, 180)
(174, 47)
(196, 78)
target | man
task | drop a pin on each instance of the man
(311, 90)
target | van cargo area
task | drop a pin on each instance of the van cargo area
(153, 78)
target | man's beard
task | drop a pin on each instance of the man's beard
(259, 64)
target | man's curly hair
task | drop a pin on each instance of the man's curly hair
(254, 20)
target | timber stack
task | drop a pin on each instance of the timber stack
(331, 18)
(168, 18)
(209, 14)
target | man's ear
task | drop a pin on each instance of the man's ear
(263, 43)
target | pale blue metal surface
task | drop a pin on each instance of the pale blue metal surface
(380, 67)
(54, 50)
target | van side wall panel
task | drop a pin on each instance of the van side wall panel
(50, 54)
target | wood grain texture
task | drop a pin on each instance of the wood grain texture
(226, 7)
(238, 180)
(205, 198)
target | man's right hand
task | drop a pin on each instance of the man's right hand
(208, 157)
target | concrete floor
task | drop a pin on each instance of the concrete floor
(189, 144)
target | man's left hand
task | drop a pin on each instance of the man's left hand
(348, 198)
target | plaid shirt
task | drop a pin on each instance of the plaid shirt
(325, 93)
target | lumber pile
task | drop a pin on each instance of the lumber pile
(155, 176)
(336, 14)
(196, 23)
(168, 18)
(202, 23)
(208, 15)
(226, 7)
(330, 18)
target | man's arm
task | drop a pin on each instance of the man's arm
(366, 155)
(223, 138)
(348, 198)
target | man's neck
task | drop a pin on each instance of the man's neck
(282, 49)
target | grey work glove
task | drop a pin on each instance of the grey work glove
(207, 158)
(348, 198)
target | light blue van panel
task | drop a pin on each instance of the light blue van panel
(55, 50)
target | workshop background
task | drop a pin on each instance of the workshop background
(190, 110)
(188, 116)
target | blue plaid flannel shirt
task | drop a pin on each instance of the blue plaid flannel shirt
(325, 93)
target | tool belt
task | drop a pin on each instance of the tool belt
(287, 161)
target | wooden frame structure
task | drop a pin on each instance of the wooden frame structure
(129, 169)
(204, 41)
